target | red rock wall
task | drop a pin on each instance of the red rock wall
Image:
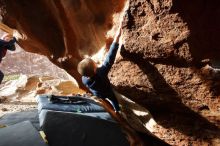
(163, 68)
(158, 40)
(162, 64)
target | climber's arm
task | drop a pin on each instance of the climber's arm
(110, 57)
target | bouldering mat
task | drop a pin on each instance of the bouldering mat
(20, 134)
(67, 129)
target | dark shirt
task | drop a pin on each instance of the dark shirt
(4, 46)
(9, 45)
(99, 84)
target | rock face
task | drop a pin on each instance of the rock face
(164, 67)
(165, 64)
(64, 31)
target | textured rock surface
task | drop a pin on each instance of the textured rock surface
(162, 65)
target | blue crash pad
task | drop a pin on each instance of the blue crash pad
(88, 108)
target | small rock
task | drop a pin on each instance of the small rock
(2, 99)
(4, 109)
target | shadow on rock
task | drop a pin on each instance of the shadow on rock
(166, 105)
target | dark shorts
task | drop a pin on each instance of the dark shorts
(1, 76)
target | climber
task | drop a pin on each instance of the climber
(96, 78)
(7, 42)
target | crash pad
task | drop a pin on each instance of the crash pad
(89, 108)
(20, 134)
(68, 129)
(17, 117)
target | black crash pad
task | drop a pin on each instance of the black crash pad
(21, 134)
(67, 129)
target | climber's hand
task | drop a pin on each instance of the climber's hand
(117, 35)
(7, 37)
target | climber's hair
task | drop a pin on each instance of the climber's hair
(86, 67)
